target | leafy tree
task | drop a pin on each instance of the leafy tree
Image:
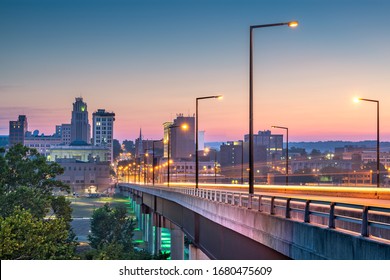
(111, 251)
(117, 149)
(114, 251)
(23, 236)
(27, 183)
(295, 150)
(61, 208)
(111, 225)
(129, 146)
(112, 236)
(26, 198)
(23, 166)
(315, 153)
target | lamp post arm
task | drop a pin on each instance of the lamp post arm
(370, 100)
(270, 25)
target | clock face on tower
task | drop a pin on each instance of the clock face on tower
(82, 109)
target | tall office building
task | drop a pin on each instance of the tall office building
(103, 130)
(17, 130)
(58, 131)
(182, 141)
(233, 159)
(272, 142)
(66, 133)
(80, 128)
(232, 154)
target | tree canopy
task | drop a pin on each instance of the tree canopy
(26, 237)
(112, 236)
(111, 226)
(35, 224)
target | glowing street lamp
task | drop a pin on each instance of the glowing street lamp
(145, 166)
(153, 164)
(197, 135)
(285, 128)
(251, 149)
(377, 135)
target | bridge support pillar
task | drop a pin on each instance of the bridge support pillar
(150, 233)
(196, 254)
(138, 214)
(133, 204)
(145, 216)
(157, 233)
(145, 227)
(177, 243)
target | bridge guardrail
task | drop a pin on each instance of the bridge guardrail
(371, 221)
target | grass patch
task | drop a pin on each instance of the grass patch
(83, 207)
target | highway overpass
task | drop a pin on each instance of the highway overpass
(226, 223)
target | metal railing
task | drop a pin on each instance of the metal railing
(364, 220)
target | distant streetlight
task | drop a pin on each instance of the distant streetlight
(215, 167)
(251, 150)
(196, 137)
(285, 128)
(377, 135)
(135, 171)
(145, 166)
(184, 127)
(153, 165)
(242, 161)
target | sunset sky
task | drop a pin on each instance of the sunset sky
(147, 60)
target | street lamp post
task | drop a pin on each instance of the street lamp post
(135, 171)
(196, 137)
(153, 165)
(139, 171)
(168, 144)
(146, 156)
(215, 167)
(242, 162)
(285, 128)
(377, 136)
(251, 152)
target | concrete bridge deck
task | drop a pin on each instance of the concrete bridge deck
(294, 227)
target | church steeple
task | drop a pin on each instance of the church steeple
(139, 149)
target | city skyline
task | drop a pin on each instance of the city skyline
(147, 61)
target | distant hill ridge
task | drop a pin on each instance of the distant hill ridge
(323, 146)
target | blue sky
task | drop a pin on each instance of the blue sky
(148, 60)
